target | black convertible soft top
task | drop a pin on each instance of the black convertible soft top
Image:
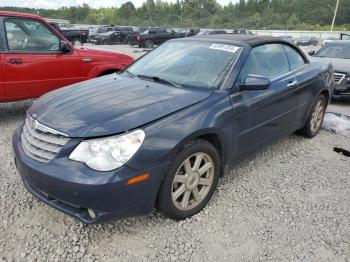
(251, 40)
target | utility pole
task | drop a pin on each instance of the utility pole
(335, 14)
(182, 9)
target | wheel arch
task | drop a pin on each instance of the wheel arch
(211, 135)
(324, 92)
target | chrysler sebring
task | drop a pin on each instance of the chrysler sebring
(159, 134)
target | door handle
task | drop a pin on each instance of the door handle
(15, 61)
(292, 84)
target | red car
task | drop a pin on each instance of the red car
(35, 58)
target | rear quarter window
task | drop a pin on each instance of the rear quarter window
(294, 58)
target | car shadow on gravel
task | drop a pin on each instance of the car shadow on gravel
(13, 111)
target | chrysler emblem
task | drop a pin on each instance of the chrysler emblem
(35, 124)
(32, 123)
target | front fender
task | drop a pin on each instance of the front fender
(165, 137)
(200, 134)
(98, 70)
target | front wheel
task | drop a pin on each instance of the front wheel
(315, 119)
(191, 181)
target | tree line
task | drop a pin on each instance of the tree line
(250, 14)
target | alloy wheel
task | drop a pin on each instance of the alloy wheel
(192, 181)
(317, 116)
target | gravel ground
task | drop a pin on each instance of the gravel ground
(287, 202)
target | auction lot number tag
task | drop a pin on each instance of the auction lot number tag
(223, 47)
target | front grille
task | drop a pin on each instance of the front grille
(40, 145)
(338, 78)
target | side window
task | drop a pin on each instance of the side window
(294, 58)
(268, 60)
(30, 36)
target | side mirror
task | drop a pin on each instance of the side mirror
(311, 53)
(255, 82)
(64, 47)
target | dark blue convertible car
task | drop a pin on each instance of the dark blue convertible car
(160, 133)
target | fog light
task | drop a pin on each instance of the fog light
(91, 213)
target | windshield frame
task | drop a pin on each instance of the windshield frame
(224, 82)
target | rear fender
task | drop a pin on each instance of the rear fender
(327, 86)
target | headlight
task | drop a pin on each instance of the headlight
(106, 154)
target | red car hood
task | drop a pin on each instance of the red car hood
(83, 51)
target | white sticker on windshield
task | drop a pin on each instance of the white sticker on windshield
(223, 47)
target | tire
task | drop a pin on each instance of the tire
(105, 42)
(77, 42)
(171, 202)
(149, 44)
(314, 121)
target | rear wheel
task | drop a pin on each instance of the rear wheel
(315, 119)
(191, 182)
(149, 44)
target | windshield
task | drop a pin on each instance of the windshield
(334, 51)
(187, 63)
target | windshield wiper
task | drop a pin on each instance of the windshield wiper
(160, 80)
(129, 73)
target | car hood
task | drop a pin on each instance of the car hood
(339, 65)
(110, 105)
(87, 51)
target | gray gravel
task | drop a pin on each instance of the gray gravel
(288, 202)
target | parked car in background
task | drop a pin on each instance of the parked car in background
(36, 58)
(160, 133)
(288, 38)
(93, 30)
(337, 52)
(212, 32)
(307, 41)
(242, 32)
(328, 40)
(120, 35)
(76, 36)
(180, 32)
(193, 31)
(100, 30)
(125, 33)
(154, 36)
(345, 36)
(105, 38)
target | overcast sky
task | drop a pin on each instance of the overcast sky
(54, 4)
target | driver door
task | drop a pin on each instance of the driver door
(33, 63)
(265, 115)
